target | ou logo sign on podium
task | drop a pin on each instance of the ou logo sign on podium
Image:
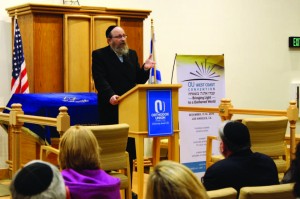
(159, 112)
(159, 106)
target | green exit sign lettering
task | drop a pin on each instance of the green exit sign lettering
(294, 42)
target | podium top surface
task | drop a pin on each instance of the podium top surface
(149, 87)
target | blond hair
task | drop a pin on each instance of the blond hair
(173, 180)
(79, 149)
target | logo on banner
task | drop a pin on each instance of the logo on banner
(202, 85)
(159, 112)
(205, 72)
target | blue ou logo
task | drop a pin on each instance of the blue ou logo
(160, 106)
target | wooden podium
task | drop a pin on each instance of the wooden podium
(133, 111)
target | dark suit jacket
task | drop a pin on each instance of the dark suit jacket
(241, 169)
(112, 77)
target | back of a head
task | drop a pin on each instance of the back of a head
(296, 164)
(79, 149)
(235, 135)
(38, 180)
(173, 180)
(297, 153)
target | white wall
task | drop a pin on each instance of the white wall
(253, 35)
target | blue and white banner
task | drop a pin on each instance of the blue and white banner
(203, 84)
(160, 117)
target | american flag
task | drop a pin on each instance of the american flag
(19, 81)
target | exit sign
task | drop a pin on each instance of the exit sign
(294, 42)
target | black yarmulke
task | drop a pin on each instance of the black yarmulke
(33, 179)
(108, 30)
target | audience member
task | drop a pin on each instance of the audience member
(296, 161)
(293, 173)
(290, 174)
(241, 167)
(79, 158)
(38, 180)
(173, 180)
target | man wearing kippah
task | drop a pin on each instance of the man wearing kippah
(115, 71)
(38, 180)
(241, 167)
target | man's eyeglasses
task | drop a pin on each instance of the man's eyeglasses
(120, 36)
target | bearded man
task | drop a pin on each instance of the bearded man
(116, 70)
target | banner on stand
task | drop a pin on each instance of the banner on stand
(203, 85)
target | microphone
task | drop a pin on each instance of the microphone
(173, 67)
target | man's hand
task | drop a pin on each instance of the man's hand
(114, 100)
(149, 63)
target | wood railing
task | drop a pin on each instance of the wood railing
(15, 120)
(226, 111)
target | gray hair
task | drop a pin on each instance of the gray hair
(56, 189)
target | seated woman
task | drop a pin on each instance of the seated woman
(79, 160)
(173, 180)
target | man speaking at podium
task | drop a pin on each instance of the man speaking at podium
(116, 70)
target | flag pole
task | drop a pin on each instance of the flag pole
(153, 49)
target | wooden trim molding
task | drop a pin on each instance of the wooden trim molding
(63, 9)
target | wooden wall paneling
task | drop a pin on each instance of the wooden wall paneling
(77, 48)
(48, 53)
(101, 23)
(134, 30)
